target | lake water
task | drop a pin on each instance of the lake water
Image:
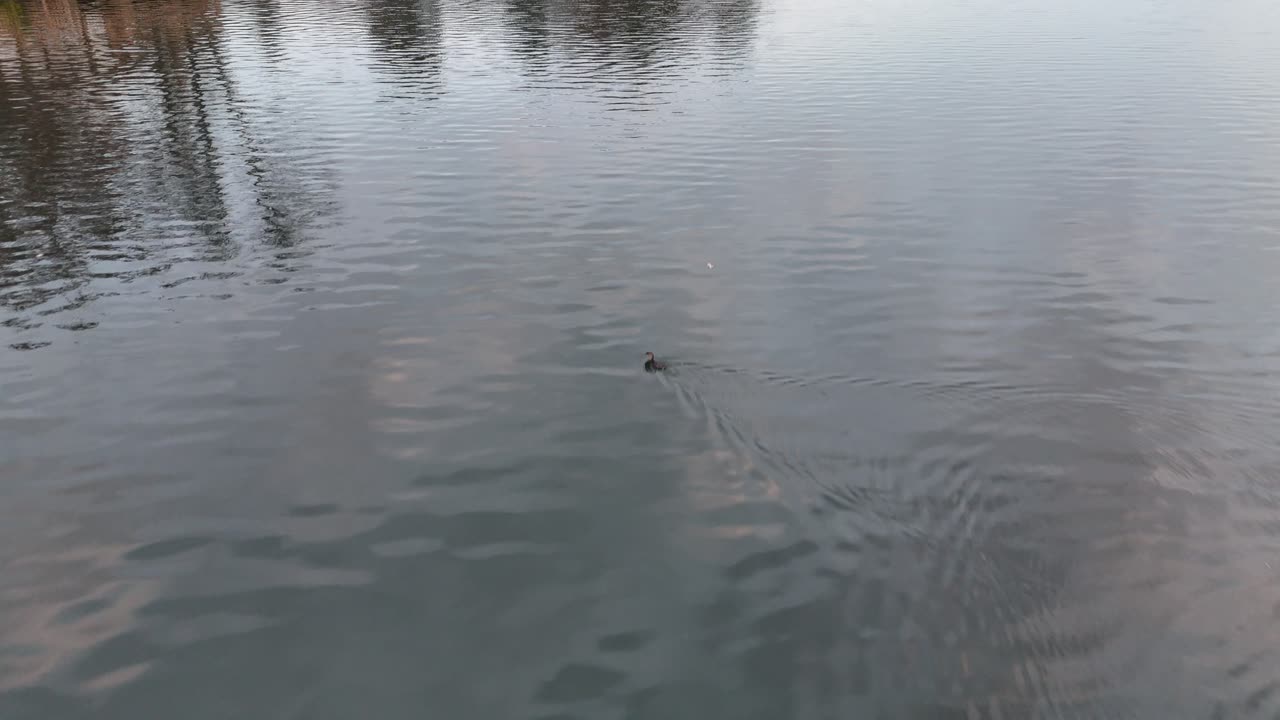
(322, 323)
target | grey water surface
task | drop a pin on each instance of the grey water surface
(322, 323)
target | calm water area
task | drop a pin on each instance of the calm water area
(322, 324)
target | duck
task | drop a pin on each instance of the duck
(652, 365)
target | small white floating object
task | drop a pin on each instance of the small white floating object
(710, 266)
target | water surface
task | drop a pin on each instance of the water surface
(321, 327)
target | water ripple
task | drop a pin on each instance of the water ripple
(321, 328)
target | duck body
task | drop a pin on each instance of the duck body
(652, 364)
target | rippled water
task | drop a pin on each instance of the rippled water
(321, 327)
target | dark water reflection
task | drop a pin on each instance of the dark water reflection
(322, 322)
